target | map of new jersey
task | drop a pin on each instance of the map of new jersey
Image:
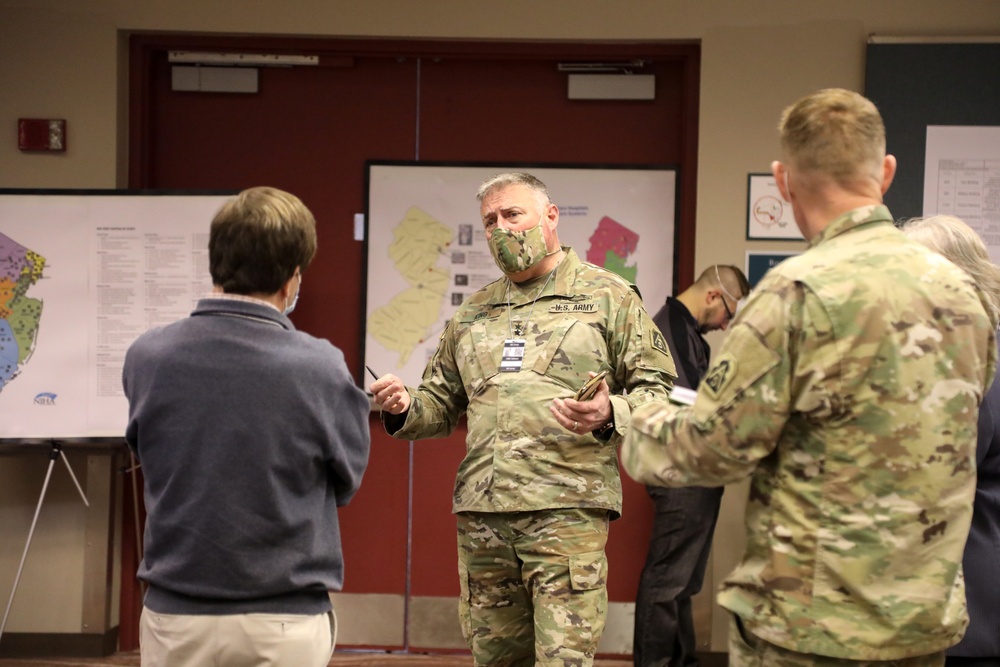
(404, 323)
(611, 246)
(20, 268)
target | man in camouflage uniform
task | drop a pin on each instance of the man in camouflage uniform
(848, 389)
(539, 482)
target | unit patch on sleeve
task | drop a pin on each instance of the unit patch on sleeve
(659, 342)
(720, 374)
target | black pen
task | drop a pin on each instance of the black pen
(371, 371)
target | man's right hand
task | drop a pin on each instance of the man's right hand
(390, 394)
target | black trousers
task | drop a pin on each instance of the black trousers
(674, 571)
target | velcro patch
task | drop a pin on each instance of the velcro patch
(484, 312)
(719, 375)
(573, 308)
(659, 342)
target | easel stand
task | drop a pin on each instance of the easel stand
(55, 453)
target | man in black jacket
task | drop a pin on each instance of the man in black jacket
(685, 517)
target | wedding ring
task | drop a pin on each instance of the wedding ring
(576, 425)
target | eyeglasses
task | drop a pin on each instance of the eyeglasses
(729, 314)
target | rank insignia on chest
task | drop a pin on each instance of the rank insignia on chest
(573, 308)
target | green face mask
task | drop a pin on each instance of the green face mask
(518, 251)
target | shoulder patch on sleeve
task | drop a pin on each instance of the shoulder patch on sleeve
(659, 342)
(719, 375)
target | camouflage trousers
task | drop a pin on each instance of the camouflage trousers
(746, 650)
(533, 586)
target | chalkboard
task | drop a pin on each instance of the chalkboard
(916, 84)
(82, 274)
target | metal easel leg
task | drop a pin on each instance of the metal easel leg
(53, 455)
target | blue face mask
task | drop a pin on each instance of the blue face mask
(295, 299)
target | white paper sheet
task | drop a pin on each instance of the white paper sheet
(962, 178)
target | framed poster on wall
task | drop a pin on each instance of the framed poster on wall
(769, 217)
(427, 251)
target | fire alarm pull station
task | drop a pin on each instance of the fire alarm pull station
(41, 134)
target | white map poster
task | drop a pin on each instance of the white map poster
(427, 247)
(81, 276)
(962, 178)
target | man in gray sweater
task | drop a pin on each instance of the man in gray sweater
(250, 435)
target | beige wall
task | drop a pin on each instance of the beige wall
(63, 59)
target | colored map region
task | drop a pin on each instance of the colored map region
(611, 246)
(20, 315)
(404, 323)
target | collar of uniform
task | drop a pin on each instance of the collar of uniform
(559, 285)
(866, 215)
(566, 273)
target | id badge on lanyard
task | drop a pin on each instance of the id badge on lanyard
(513, 355)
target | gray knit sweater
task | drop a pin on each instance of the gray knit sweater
(250, 435)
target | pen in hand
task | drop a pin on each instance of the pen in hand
(394, 395)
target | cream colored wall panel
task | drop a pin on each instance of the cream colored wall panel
(50, 593)
(703, 607)
(524, 19)
(373, 619)
(98, 556)
(618, 630)
(59, 65)
(434, 623)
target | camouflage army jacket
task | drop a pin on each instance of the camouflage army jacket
(848, 388)
(518, 457)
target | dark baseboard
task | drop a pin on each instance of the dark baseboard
(55, 645)
(707, 659)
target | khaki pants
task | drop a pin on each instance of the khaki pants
(240, 640)
(746, 650)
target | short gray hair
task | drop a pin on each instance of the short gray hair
(507, 179)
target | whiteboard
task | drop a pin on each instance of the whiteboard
(962, 178)
(427, 251)
(82, 274)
